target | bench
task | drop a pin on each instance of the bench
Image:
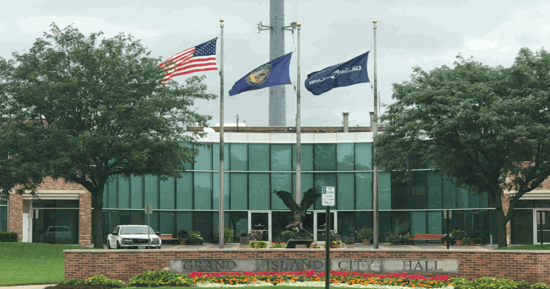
(427, 237)
(167, 237)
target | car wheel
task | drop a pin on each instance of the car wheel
(118, 245)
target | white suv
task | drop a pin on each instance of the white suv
(132, 236)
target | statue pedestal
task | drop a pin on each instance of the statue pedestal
(293, 242)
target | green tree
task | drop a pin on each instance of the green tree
(85, 110)
(484, 127)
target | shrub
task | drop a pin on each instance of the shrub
(540, 286)
(461, 283)
(258, 244)
(286, 235)
(228, 235)
(278, 245)
(96, 280)
(492, 282)
(366, 234)
(194, 238)
(335, 244)
(159, 278)
(457, 235)
(8, 236)
(182, 235)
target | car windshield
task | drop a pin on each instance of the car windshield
(135, 230)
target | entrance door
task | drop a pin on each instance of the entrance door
(260, 221)
(542, 232)
(320, 221)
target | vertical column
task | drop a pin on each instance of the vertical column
(277, 101)
(85, 219)
(15, 213)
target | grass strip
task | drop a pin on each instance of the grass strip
(32, 263)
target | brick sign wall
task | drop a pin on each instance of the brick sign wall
(531, 266)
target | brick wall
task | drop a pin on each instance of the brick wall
(531, 266)
(85, 219)
(15, 212)
(18, 206)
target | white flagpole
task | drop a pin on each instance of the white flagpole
(221, 200)
(374, 127)
(298, 129)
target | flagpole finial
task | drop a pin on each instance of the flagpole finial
(221, 20)
(374, 21)
(299, 24)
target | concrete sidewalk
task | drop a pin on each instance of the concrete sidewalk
(42, 286)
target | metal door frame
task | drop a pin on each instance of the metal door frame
(269, 220)
(535, 230)
(315, 212)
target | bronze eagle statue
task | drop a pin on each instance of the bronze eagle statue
(299, 210)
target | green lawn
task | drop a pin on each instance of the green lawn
(32, 263)
(526, 247)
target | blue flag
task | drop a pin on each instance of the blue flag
(344, 74)
(272, 73)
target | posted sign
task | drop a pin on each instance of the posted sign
(329, 196)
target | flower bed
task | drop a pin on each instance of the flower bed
(336, 277)
(160, 278)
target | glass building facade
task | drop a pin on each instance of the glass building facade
(253, 170)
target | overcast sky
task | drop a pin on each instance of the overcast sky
(424, 33)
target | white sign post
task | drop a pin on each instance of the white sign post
(148, 211)
(329, 196)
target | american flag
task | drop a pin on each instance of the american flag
(197, 58)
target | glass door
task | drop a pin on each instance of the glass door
(260, 222)
(542, 232)
(320, 220)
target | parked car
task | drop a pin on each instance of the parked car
(132, 237)
(55, 234)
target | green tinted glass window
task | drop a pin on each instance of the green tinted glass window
(280, 182)
(258, 156)
(203, 161)
(167, 194)
(384, 191)
(345, 192)
(151, 191)
(345, 153)
(259, 191)
(184, 198)
(418, 222)
(4, 218)
(216, 156)
(434, 191)
(203, 191)
(461, 198)
(473, 200)
(239, 157)
(306, 157)
(136, 201)
(113, 192)
(167, 223)
(324, 180)
(418, 191)
(363, 156)
(281, 157)
(449, 194)
(123, 193)
(325, 157)
(307, 183)
(401, 222)
(363, 191)
(239, 191)
(184, 221)
(186, 165)
(435, 222)
(216, 190)
(106, 195)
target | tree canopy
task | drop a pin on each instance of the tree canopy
(86, 109)
(484, 127)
